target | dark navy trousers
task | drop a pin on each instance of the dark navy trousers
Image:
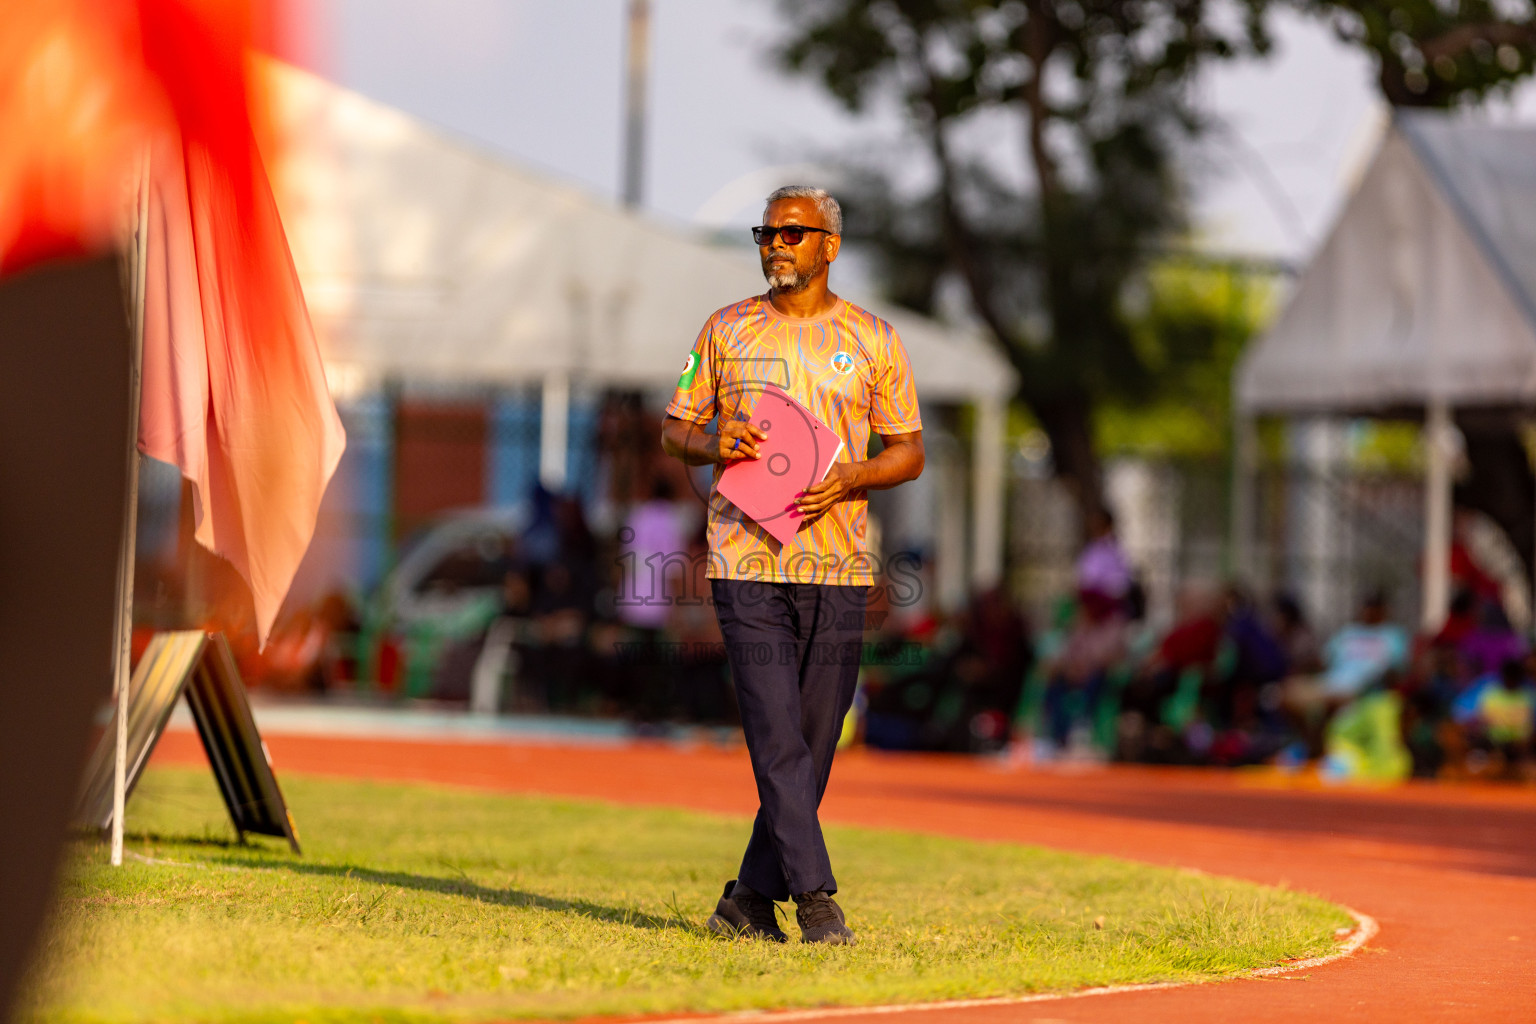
(794, 655)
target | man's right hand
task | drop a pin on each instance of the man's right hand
(738, 440)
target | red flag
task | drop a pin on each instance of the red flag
(234, 390)
(75, 109)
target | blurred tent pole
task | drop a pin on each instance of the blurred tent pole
(122, 638)
(987, 492)
(1439, 451)
(554, 429)
(949, 554)
(637, 50)
(1245, 462)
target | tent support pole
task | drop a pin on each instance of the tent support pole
(949, 521)
(1437, 513)
(554, 426)
(987, 493)
(122, 629)
(1245, 458)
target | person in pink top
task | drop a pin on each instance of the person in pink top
(792, 614)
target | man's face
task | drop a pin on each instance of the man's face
(789, 268)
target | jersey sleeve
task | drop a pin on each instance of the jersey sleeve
(893, 399)
(694, 399)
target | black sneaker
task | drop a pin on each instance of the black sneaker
(821, 919)
(743, 912)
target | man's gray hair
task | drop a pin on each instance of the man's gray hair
(831, 213)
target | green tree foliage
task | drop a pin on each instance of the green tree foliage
(1052, 243)
(1100, 92)
(1437, 53)
(1189, 331)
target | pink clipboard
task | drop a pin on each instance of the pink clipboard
(798, 453)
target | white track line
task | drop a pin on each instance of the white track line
(1365, 930)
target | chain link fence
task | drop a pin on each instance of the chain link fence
(1328, 535)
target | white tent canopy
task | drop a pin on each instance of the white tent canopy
(1422, 299)
(1425, 289)
(424, 258)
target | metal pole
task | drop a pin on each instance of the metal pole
(949, 555)
(1245, 460)
(1438, 452)
(987, 494)
(554, 430)
(122, 648)
(638, 50)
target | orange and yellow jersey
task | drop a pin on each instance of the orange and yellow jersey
(849, 369)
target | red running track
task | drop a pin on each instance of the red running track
(1448, 872)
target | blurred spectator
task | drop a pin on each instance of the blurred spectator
(1363, 651)
(564, 596)
(1365, 740)
(1303, 653)
(1466, 573)
(1163, 699)
(990, 663)
(1103, 574)
(1090, 639)
(294, 656)
(654, 575)
(344, 625)
(1358, 656)
(504, 653)
(1491, 642)
(540, 541)
(704, 686)
(1094, 645)
(653, 546)
(1260, 656)
(1499, 715)
(1242, 699)
(1423, 729)
(1460, 619)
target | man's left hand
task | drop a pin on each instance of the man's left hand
(840, 479)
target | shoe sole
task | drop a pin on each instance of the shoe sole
(833, 939)
(723, 928)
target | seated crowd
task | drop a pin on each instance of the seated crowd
(1232, 682)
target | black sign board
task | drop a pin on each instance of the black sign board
(200, 665)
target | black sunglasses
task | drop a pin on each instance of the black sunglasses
(792, 234)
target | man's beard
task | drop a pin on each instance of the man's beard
(786, 277)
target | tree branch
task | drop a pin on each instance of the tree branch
(1038, 43)
(1460, 39)
(960, 242)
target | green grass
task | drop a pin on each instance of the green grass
(416, 903)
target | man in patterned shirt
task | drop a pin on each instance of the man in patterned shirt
(793, 614)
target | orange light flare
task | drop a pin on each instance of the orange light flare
(75, 111)
(88, 86)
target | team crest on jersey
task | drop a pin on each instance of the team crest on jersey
(842, 362)
(690, 366)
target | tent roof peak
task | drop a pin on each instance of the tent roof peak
(1424, 289)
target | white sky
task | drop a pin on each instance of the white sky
(542, 82)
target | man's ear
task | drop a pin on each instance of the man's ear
(832, 244)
